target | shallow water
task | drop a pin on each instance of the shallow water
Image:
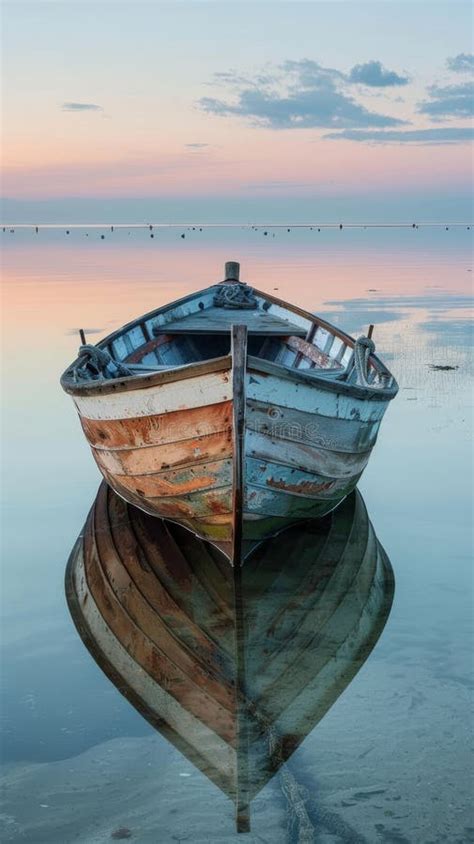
(390, 760)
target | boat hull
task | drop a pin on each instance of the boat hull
(169, 447)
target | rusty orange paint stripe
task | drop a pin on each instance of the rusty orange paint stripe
(152, 486)
(147, 461)
(160, 428)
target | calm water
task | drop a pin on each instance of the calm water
(390, 760)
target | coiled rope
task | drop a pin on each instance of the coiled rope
(237, 296)
(94, 363)
(364, 347)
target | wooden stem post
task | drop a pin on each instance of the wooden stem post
(82, 336)
(239, 361)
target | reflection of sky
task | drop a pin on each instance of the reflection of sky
(417, 486)
(444, 314)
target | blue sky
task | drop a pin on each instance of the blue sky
(202, 101)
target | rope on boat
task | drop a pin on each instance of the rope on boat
(94, 362)
(236, 296)
(364, 347)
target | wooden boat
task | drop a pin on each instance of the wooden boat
(233, 666)
(231, 412)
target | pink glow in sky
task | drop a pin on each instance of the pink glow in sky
(203, 99)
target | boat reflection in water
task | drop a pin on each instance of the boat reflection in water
(234, 667)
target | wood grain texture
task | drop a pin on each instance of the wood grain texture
(179, 394)
(220, 321)
(239, 363)
(159, 429)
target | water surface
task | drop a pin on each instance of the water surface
(389, 762)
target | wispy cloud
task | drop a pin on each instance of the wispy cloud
(375, 75)
(462, 63)
(81, 107)
(298, 95)
(196, 146)
(449, 101)
(445, 135)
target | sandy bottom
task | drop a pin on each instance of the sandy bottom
(385, 765)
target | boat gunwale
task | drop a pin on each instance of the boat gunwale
(311, 377)
(139, 380)
(143, 380)
(222, 364)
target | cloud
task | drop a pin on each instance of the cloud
(462, 63)
(298, 95)
(449, 101)
(447, 135)
(196, 146)
(375, 75)
(81, 107)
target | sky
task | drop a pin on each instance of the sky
(221, 108)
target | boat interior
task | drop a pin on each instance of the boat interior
(198, 328)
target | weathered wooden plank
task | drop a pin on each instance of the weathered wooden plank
(220, 321)
(191, 506)
(303, 456)
(304, 318)
(186, 453)
(277, 502)
(239, 360)
(139, 382)
(274, 384)
(188, 305)
(160, 428)
(191, 475)
(145, 349)
(207, 389)
(271, 476)
(348, 436)
(312, 353)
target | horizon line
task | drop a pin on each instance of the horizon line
(321, 225)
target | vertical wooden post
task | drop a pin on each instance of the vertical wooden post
(232, 271)
(239, 361)
(82, 336)
(370, 331)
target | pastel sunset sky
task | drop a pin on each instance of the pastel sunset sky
(224, 105)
